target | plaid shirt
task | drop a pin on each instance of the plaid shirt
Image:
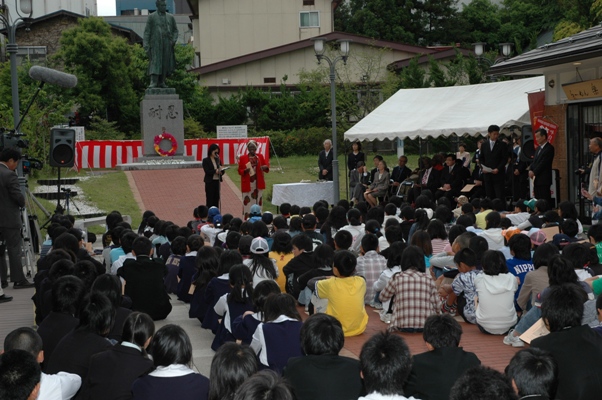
(370, 266)
(415, 299)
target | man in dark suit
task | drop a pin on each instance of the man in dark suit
(325, 161)
(493, 158)
(520, 189)
(11, 201)
(435, 372)
(428, 178)
(541, 168)
(453, 176)
(400, 173)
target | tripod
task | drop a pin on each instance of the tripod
(68, 200)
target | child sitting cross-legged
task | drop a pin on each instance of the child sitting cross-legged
(462, 291)
(415, 293)
(244, 326)
(345, 294)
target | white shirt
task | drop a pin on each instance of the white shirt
(119, 262)
(378, 396)
(172, 371)
(61, 386)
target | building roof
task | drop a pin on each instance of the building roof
(287, 48)
(125, 32)
(584, 45)
(439, 55)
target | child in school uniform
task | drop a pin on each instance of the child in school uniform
(219, 286)
(188, 267)
(207, 264)
(244, 326)
(345, 294)
(278, 338)
(233, 304)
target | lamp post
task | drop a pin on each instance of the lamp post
(12, 48)
(319, 49)
(479, 49)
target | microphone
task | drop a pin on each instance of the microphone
(52, 76)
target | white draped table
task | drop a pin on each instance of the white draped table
(303, 194)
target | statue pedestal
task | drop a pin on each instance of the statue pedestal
(161, 111)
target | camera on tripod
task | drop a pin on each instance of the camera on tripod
(9, 139)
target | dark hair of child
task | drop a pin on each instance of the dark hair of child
(232, 364)
(374, 227)
(494, 263)
(323, 256)
(442, 331)
(262, 291)
(395, 251)
(467, 208)
(142, 246)
(96, 314)
(422, 219)
(303, 242)
(178, 246)
(595, 231)
(241, 282)
(279, 222)
(520, 245)
(60, 268)
(138, 328)
(265, 385)
(369, 242)
(285, 208)
(534, 372)
(262, 265)
(259, 229)
(413, 258)
(561, 270)
(282, 243)
(345, 262)
(280, 304)
(67, 294)
(295, 209)
(207, 264)
(563, 307)
(171, 345)
(543, 255)
(322, 334)
(569, 227)
(466, 256)
(194, 243)
(455, 231)
(245, 228)
(407, 213)
(390, 223)
(343, 239)
(423, 240)
(110, 286)
(322, 215)
(393, 233)
(86, 271)
(479, 245)
(227, 260)
(390, 209)
(493, 220)
(443, 213)
(354, 216)
(436, 230)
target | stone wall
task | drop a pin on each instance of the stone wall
(46, 33)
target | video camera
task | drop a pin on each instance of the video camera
(9, 139)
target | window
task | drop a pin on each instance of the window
(308, 2)
(269, 80)
(309, 19)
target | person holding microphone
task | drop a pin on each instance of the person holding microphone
(213, 176)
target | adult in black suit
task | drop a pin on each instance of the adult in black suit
(435, 372)
(325, 161)
(144, 281)
(452, 179)
(493, 158)
(429, 178)
(74, 351)
(11, 201)
(355, 156)
(113, 371)
(576, 348)
(213, 176)
(520, 189)
(399, 174)
(540, 169)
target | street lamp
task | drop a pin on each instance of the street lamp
(479, 49)
(319, 49)
(12, 47)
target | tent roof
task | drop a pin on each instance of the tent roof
(412, 113)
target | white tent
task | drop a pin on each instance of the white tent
(412, 113)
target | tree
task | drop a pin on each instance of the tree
(103, 64)
(413, 76)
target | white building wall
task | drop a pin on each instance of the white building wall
(82, 7)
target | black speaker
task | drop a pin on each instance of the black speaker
(527, 149)
(62, 148)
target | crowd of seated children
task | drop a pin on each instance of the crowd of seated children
(244, 326)
(345, 293)
(415, 294)
(233, 304)
(277, 338)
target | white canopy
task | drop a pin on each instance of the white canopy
(412, 113)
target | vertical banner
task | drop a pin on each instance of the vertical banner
(537, 102)
(551, 127)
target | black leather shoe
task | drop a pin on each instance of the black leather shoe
(4, 284)
(23, 284)
(4, 298)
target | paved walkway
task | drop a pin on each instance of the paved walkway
(173, 194)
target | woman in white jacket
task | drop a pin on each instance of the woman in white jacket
(493, 231)
(495, 311)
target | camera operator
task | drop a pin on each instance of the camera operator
(11, 201)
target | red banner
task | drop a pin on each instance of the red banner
(537, 103)
(109, 153)
(551, 127)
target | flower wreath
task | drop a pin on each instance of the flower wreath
(166, 136)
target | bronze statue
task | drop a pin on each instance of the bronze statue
(160, 37)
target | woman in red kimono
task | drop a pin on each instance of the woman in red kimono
(251, 168)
